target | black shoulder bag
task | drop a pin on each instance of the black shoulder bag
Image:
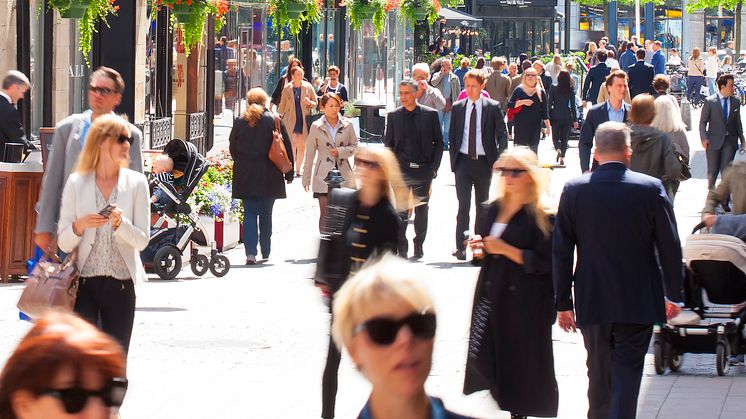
(333, 262)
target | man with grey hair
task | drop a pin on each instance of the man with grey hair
(427, 95)
(15, 86)
(629, 273)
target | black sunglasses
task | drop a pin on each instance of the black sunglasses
(370, 164)
(511, 172)
(383, 331)
(103, 91)
(122, 138)
(75, 398)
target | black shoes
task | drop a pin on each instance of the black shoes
(418, 253)
(460, 254)
(726, 207)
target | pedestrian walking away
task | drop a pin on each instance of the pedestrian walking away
(498, 84)
(640, 76)
(513, 360)
(562, 114)
(105, 218)
(476, 141)
(595, 79)
(331, 142)
(298, 99)
(529, 109)
(615, 109)
(413, 134)
(695, 76)
(105, 90)
(668, 120)
(616, 302)
(256, 180)
(370, 228)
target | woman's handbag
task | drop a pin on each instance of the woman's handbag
(686, 172)
(52, 285)
(277, 152)
(333, 262)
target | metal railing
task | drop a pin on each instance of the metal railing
(196, 131)
(160, 132)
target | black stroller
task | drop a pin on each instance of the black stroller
(575, 132)
(715, 292)
(167, 245)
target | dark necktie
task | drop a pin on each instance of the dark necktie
(473, 132)
(725, 109)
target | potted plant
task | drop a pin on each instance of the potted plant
(418, 10)
(360, 10)
(212, 200)
(353, 115)
(190, 16)
(90, 13)
(294, 12)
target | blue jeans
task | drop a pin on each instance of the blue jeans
(711, 84)
(695, 86)
(445, 125)
(257, 208)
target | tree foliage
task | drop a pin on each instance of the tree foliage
(707, 4)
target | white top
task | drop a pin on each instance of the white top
(674, 60)
(711, 66)
(612, 63)
(498, 229)
(105, 259)
(464, 149)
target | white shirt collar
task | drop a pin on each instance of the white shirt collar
(5, 95)
(470, 102)
(721, 97)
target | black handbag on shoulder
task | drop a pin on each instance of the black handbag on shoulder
(333, 262)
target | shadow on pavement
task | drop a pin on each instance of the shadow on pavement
(450, 265)
(160, 309)
(301, 261)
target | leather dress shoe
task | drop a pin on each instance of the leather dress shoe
(418, 253)
(460, 254)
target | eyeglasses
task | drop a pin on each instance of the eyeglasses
(529, 75)
(370, 164)
(514, 173)
(74, 399)
(103, 91)
(123, 138)
(383, 331)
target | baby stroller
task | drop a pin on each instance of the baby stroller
(167, 244)
(715, 290)
(575, 132)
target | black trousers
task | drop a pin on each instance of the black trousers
(718, 160)
(561, 134)
(616, 353)
(329, 379)
(110, 303)
(470, 173)
(419, 182)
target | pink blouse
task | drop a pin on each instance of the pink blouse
(463, 95)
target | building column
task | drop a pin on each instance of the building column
(613, 30)
(649, 21)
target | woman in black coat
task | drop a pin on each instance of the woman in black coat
(256, 180)
(562, 113)
(510, 347)
(528, 104)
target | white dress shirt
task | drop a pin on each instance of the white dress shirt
(464, 149)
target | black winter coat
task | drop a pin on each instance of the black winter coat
(254, 174)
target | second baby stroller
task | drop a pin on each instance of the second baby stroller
(167, 244)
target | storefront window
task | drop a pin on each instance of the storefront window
(37, 68)
(668, 25)
(591, 18)
(78, 72)
(718, 27)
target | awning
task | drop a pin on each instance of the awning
(458, 18)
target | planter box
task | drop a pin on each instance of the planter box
(226, 233)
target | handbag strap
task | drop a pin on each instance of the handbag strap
(277, 124)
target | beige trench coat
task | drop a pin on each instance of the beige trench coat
(319, 146)
(287, 105)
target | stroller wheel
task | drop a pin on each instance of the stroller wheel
(658, 347)
(220, 265)
(722, 358)
(200, 264)
(167, 262)
(675, 360)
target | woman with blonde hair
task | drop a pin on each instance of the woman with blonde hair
(668, 120)
(514, 359)
(298, 99)
(553, 68)
(590, 55)
(528, 104)
(371, 226)
(712, 65)
(256, 180)
(105, 216)
(386, 320)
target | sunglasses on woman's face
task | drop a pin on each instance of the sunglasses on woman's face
(74, 399)
(511, 172)
(123, 138)
(370, 164)
(383, 331)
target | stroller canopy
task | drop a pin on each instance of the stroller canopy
(188, 161)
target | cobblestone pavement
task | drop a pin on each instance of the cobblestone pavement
(253, 344)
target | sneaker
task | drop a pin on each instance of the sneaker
(460, 254)
(250, 259)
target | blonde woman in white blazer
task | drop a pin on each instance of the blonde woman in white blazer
(331, 141)
(105, 216)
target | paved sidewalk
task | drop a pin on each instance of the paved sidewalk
(253, 344)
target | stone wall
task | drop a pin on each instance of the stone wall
(7, 35)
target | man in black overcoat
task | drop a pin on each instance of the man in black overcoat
(14, 87)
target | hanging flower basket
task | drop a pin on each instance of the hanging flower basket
(361, 10)
(76, 10)
(181, 12)
(191, 15)
(90, 13)
(294, 12)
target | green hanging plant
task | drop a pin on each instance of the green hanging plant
(190, 16)
(89, 13)
(360, 10)
(294, 12)
(418, 10)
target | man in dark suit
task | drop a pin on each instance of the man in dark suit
(623, 226)
(720, 128)
(476, 139)
(596, 78)
(15, 85)
(413, 134)
(641, 76)
(613, 110)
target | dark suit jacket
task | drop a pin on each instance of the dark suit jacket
(428, 129)
(494, 133)
(254, 174)
(640, 78)
(597, 115)
(594, 80)
(617, 219)
(11, 128)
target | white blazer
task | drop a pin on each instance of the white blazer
(133, 234)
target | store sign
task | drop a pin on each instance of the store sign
(525, 3)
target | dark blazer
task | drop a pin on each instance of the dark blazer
(562, 107)
(595, 78)
(597, 115)
(494, 133)
(254, 174)
(428, 129)
(640, 78)
(617, 219)
(712, 125)
(11, 128)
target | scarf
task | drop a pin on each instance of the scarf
(530, 91)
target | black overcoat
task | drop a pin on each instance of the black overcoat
(510, 346)
(254, 174)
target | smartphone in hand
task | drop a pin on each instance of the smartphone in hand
(106, 212)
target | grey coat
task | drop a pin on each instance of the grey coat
(63, 158)
(438, 81)
(712, 125)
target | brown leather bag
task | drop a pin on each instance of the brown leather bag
(52, 285)
(277, 152)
